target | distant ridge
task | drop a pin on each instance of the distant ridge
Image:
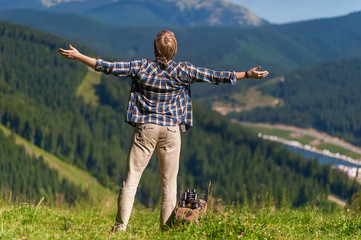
(180, 13)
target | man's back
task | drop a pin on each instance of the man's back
(161, 94)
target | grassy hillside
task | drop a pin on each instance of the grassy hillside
(97, 192)
(87, 88)
(39, 222)
(246, 100)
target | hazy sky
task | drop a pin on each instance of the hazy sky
(284, 11)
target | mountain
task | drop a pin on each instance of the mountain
(278, 48)
(183, 13)
(230, 48)
(43, 99)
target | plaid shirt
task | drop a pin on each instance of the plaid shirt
(162, 95)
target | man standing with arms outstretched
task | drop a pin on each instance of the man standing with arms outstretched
(159, 108)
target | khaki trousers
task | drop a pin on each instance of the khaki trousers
(146, 138)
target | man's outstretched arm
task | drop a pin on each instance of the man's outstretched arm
(252, 73)
(74, 54)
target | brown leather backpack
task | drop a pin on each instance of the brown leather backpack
(190, 208)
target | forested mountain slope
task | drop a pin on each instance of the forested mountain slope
(29, 173)
(329, 38)
(324, 96)
(38, 100)
(25, 178)
(277, 48)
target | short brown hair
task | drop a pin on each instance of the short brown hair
(165, 46)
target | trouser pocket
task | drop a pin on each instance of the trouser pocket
(172, 135)
(145, 134)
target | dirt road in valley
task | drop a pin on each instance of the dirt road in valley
(321, 137)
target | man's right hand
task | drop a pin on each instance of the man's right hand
(73, 53)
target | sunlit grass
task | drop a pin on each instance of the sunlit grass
(86, 89)
(85, 222)
(251, 99)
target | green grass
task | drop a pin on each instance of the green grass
(337, 149)
(305, 139)
(41, 222)
(271, 131)
(253, 98)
